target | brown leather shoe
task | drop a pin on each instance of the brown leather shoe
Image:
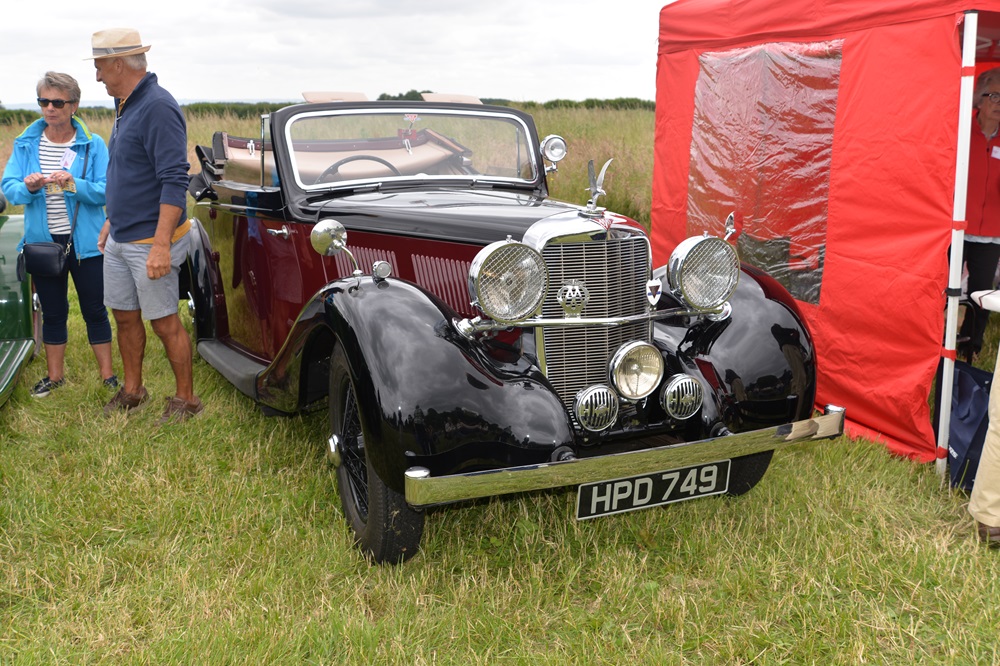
(178, 410)
(988, 535)
(126, 402)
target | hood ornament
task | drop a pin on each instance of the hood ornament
(596, 189)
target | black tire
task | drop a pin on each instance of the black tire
(746, 471)
(385, 527)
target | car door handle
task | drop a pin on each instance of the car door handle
(283, 231)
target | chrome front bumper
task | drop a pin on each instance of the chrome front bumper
(424, 490)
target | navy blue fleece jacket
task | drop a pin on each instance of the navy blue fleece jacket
(147, 162)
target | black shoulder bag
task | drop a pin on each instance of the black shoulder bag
(49, 259)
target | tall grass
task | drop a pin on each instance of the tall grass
(220, 541)
(600, 135)
(592, 134)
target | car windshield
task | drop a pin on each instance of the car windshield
(334, 148)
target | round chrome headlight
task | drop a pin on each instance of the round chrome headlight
(636, 370)
(507, 281)
(703, 271)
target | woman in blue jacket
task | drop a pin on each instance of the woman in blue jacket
(45, 173)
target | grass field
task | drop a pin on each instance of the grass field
(220, 541)
(596, 135)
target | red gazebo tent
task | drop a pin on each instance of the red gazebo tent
(833, 128)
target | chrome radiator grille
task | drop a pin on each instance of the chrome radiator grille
(615, 273)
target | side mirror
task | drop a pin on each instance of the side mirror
(329, 238)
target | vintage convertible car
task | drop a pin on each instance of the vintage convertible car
(401, 263)
(20, 324)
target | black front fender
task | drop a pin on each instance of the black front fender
(431, 397)
(759, 363)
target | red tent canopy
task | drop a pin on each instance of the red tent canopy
(830, 128)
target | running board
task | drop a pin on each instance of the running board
(239, 369)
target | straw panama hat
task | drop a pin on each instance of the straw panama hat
(116, 42)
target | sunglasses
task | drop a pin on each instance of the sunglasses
(58, 103)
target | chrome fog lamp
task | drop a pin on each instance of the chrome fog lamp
(596, 408)
(507, 281)
(554, 148)
(636, 370)
(682, 396)
(703, 271)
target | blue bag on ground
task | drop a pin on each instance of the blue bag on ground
(970, 401)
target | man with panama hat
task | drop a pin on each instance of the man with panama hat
(116, 42)
(144, 239)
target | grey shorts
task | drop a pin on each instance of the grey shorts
(126, 286)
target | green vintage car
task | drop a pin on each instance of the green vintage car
(19, 320)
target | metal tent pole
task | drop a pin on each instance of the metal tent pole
(957, 235)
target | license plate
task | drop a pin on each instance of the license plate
(604, 498)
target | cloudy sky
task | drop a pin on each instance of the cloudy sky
(275, 49)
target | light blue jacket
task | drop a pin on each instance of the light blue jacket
(89, 188)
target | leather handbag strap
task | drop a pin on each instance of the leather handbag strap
(76, 211)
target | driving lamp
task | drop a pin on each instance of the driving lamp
(554, 148)
(636, 370)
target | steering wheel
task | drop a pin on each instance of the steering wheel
(333, 168)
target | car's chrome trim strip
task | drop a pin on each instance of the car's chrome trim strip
(477, 325)
(421, 489)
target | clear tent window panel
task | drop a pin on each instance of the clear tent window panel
(761, 147)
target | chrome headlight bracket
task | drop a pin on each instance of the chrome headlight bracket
(723, 313)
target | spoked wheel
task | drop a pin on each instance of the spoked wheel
(746, 471)
(385, 527)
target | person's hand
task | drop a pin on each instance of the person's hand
(158, 263)
(35, 181)
(63, 179)
(102, 238)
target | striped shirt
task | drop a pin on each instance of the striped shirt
(50, 156)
